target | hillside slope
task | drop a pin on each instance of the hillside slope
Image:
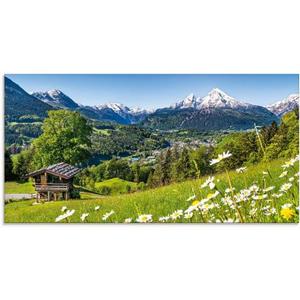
(166, 200)
(20, 105)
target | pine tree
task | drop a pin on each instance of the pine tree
(184, 166)
(150, 179)
(136, 172)
(175, 159)
(157, 178)
(8, 167)
(166, 165)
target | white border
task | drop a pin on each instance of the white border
(149, 262)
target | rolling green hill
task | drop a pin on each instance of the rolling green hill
(264, 203)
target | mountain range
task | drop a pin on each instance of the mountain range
(281, 107)
(215, 111)
(19, 104)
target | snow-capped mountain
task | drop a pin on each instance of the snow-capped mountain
(130, 115)
(281, 107)
(112, 111)
(215, 111)
(214, 99)
(56, 98)
(219, 99)
(191, 101)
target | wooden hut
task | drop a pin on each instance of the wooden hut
(54, 181)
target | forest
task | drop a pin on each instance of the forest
(148, 158)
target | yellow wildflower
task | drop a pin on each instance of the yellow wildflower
(287, 213)
(195, 202)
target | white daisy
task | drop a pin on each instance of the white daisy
(67, 214)
(64, 208)
(283, 174)
(188, 215)
(176, 214)
(144, 218)
(285, 187)
(220, 157)
(241, 169)
(84, 216)
(191, 198)
(209, 182)
(107, 215)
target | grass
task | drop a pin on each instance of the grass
(13, 187)
(116, 186)
(165, 200)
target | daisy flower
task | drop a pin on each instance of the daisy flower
(176, 214)
(284, 173)
(107, 215)
(84, 216)
(97, 207)
(128, 220)
(188, 215)
(64, 208)
(214, 195)
(268, 189)
(66, 215)
(191, 198)
(209, 182)
(260, 197)
(164, 219)
(144, 218)
(220, 158)
(285, 187)
(241, 169)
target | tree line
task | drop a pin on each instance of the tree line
(67, 137)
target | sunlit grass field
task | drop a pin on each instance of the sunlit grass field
(116, 185)
(269, 198)
(13, 187)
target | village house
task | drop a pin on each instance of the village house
(54, 182)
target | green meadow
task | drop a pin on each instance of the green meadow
(271, 198)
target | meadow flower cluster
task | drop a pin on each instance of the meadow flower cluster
(220, 202)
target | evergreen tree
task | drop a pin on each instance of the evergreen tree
(150, 182)
(184, 166)
(166, 165)
(158, 171)
(175, 158)
(8, 167)
(136, 172)
(268, 132)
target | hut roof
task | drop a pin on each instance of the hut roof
(61, 169)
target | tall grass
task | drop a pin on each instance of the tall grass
(164, 201)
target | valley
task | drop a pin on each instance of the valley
(133, 157)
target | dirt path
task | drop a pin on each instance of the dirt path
(19, 196)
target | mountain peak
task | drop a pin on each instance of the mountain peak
(216, 98)
(56, 98)
(191, 101)
(54, 92)
(115, 106)
(285, 105)
(217, 90)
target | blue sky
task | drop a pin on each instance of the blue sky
(152, 91)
